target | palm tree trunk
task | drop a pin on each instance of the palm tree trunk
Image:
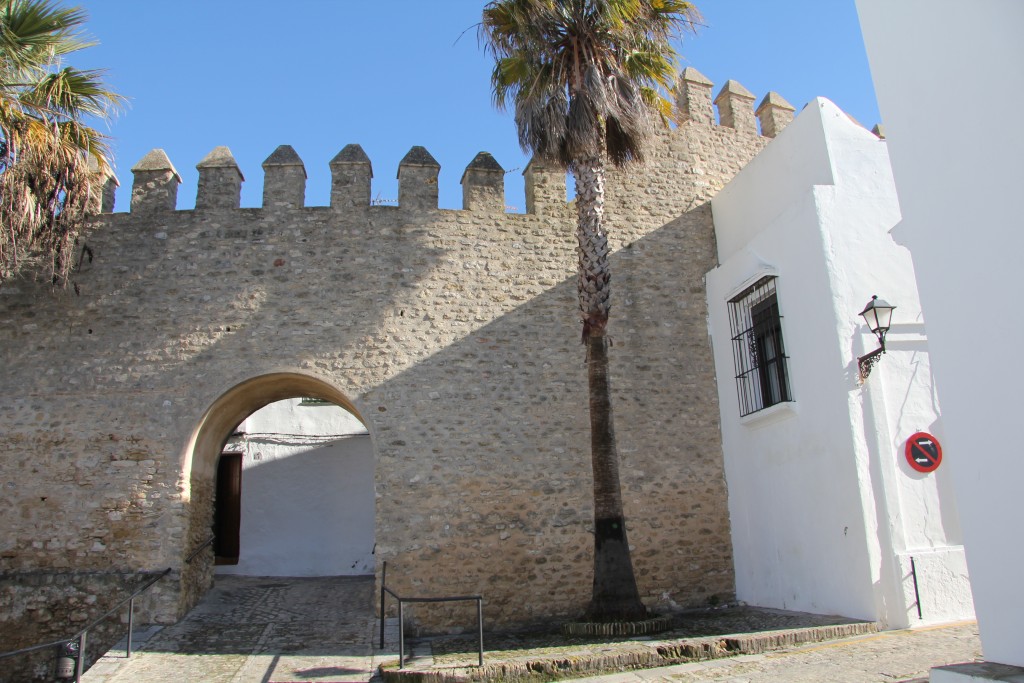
(615, 595)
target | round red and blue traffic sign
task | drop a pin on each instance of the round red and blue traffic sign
(924, 452)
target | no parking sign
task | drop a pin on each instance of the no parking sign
(924, 452)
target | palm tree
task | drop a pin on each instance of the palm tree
(588, 81)
(51, 161)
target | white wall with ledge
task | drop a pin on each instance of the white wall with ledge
(307, 492)
(959, 191)
(826, 512)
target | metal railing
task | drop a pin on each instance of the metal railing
(917, 593)
(211, 539)
(76, 644)
(384, 590)
(81, 636)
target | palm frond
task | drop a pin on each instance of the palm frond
(52, 164)
(33, 33)
(70, 93)
(610, 61)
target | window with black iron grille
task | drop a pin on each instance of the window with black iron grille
(757, 348)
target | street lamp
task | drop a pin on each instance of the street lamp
(878, 315)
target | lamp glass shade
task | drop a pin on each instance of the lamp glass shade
(878, 314)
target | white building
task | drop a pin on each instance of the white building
(295, 493)
(950, 86)
(828, 515)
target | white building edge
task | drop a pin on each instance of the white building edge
(950, 87)
(828, 516)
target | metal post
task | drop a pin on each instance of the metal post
(131, 621)
(80, 668)
(383, 582)
(401, 634)
(480, 628)
(917, 595)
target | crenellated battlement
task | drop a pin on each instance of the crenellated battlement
(453, 333)
(156, 182)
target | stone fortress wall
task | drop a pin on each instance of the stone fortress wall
(454, 336)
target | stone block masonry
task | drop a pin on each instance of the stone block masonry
(453, 335)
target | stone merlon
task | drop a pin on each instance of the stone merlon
(417, 180)
(155, 187)
(735, 107)
(545, 187)
(220, 181)
(352, 154)
(351, 172)
(775, 113)
(483, 184)
(418, 156)
(155, 161)
(693, 97)
(284, 180)
(104, 201)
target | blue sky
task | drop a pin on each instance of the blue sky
(319, 74)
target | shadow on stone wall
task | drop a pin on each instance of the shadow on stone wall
(483, 476)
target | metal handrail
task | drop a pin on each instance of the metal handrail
(81, 635)
(401, 616)
(211, 539)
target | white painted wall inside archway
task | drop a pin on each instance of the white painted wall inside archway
(307, 492)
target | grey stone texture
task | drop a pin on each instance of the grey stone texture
(39, 607)
(483, 184)
(545, 189)
(350, 178)
(417, 180)
(734, 107)
(156, 184)
(693, 98)
(107, 194)
(284, 180)
(774, 113)
(453, 334)
(220, 181)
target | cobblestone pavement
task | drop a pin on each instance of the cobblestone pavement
(886, 657)
(264, 630)
(269, 630)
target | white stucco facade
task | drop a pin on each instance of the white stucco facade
(951, 99)
(825, 510)
(307, 493)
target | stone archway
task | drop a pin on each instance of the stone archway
(199, 465)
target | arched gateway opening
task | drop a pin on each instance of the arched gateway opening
(263, 452)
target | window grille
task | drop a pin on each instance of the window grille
(757, 348)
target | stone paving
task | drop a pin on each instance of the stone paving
(887, 657)
(265, 630)
(271, 630)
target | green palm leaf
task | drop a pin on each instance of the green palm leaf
(52, 162)
(589, 82)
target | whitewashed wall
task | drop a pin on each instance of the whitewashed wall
(951, 100)
(825, 510)
(307, 493)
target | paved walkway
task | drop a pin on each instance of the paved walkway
(260, 630)
(267, 630)
(887, 657)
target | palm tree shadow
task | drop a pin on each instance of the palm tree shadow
(321, 671)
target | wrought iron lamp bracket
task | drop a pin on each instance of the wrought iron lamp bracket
(868, 361)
